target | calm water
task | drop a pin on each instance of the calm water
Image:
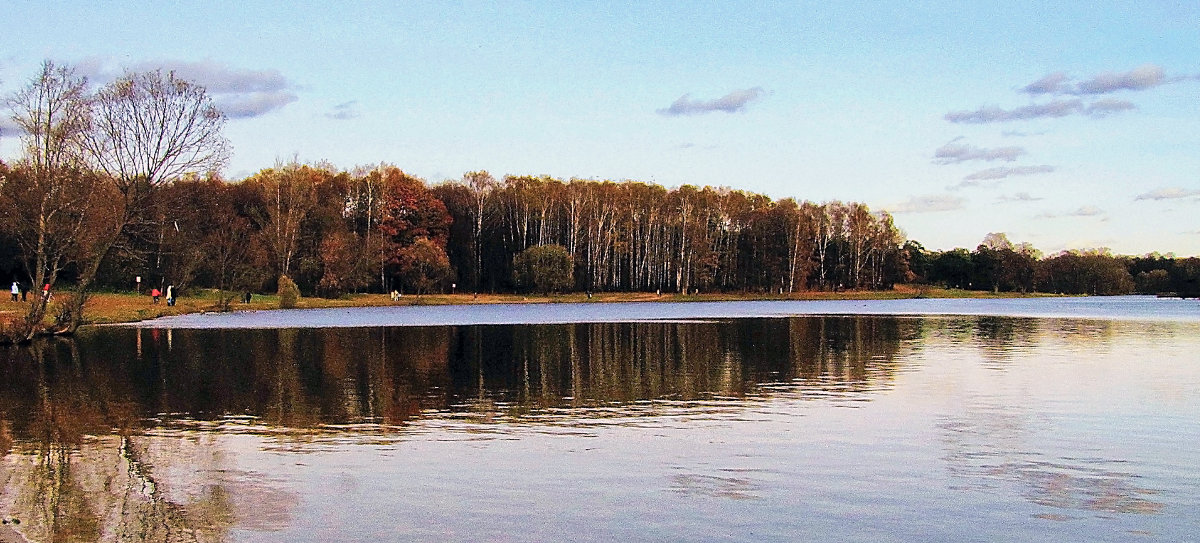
(734, 428)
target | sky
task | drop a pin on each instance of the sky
(1068, 125)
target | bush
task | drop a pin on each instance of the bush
(289, 293)
(543, 268)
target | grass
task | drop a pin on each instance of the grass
(110, 307)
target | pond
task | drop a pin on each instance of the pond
(715, 424)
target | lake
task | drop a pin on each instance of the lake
(946, 420)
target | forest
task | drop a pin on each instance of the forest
(121, 183)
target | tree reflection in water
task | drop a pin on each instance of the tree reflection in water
(116, 434)
(79, 465)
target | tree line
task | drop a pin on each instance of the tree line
(377, 229)
(1000, 265)
(120, 182)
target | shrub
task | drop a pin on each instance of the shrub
(543, 268)
(289, 293)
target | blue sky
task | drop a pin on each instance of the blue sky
(1068, 125)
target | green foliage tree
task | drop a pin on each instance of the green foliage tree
(1153, 282)
(952, 268)
(544, 268)
(1094, 272)
(919, 261)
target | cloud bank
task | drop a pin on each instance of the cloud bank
(733, 102)
(239, 93)
(1061, 86)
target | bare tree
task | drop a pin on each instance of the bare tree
(52, 205)
(147, 130)
(150, 128)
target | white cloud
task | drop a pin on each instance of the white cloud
(927, 204)
(344, 111)
(1169, 193)
(1146, 76)
(254, 104)
(994, 114)
(730, 103)
(1019, 197)
(8, 127)
(1052, 109)
(1003, 172)
(1050, 84)
(239, 93)
(953, 153)
(1102, 108)
(1141, 78)
(1085, 211)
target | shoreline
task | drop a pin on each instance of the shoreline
(130, 307)
(124, 308)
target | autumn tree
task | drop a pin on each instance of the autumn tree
(422, 265)
(235, 260)
(409, 213)
(189, 211)
(288, 194)
(342, 271)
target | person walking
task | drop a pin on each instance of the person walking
(155, 293)
(16, 291)
(170, 295)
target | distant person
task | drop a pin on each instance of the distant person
(170, 295)
(16, 291)
(246, 299)
(46, 292)
(155, 293)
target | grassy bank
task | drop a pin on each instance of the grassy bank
(105, 308)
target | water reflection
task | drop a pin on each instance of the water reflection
(125, 434)
(313, 378)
